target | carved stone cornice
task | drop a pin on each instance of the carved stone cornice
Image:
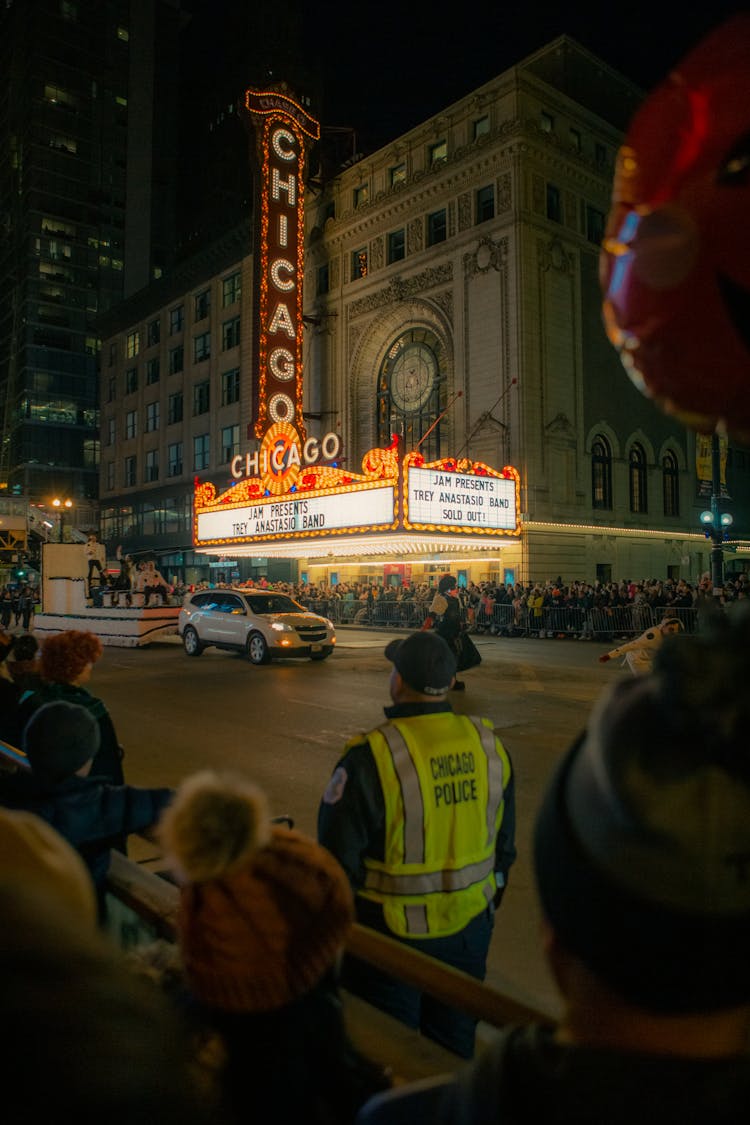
(400, 289)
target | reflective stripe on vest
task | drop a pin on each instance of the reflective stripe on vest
(494, 773)
(394, 886)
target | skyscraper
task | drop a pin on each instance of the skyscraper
(88, 143)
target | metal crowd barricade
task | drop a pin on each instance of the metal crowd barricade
(687, 615)
(606, 623)
(321, 607)
(562, 621)
(390, 613)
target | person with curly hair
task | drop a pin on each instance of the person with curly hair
(66, 663)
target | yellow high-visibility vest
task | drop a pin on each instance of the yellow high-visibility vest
(443, 778)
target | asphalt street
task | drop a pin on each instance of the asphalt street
(285, 724)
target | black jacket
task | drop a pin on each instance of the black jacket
(91, 814)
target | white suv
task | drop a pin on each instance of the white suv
(261, 623)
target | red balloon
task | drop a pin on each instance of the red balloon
(675, 261)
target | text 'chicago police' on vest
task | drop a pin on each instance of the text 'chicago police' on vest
(460, 787)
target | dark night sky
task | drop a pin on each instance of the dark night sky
(383, 68)
(375, 71)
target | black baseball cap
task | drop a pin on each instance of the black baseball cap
(425, 662)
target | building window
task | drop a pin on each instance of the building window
(176, 359)
(152, 417)
(110, 475)
(396, 246)
(131, 380)
(230, 443)
(481, 126)
(575, 139)
(112, 350)
(437, 229)
(111, 388)
(594, 225)
(152, 465)
(231, 289)
(174, 408)
(153, 369)
(202, 305)
(601, 473)
(201, 347)
(637, 479)
(397, 174)
(153, 332)
(230, 333)
(361, 195)
(174, 459)
(201, 397)
(131, 424)
(600, 154)
(437, 153)
(323, 280)
(485, 203)
(130, 468)
(359, 264)
(64, 143)
(201, 449)
(230, 387)
(554, 211)
(111, 431)
(132, 344)
(546, 122)
(670, 484)
(410, 391)
(176, 319)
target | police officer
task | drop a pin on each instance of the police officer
(420, 813)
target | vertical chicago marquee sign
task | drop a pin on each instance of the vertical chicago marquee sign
(283, 130)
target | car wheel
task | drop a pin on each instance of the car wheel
(319, 655)
(191, 642)
(257, 649)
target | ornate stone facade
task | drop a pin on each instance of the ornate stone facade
(493, 246)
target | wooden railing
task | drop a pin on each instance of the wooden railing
(154, 901)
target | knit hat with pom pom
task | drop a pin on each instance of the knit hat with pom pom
(264, 910)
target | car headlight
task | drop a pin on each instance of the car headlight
(280, 627)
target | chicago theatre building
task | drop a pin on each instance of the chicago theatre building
(408, 372)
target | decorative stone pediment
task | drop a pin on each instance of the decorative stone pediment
(400, 289)
(560, 431)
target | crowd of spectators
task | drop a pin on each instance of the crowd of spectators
(552, 608)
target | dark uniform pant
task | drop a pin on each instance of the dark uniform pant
(466, 950)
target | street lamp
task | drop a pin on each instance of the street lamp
(716, 523)
(61, 505)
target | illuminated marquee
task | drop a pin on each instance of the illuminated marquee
(320, 500)
(282, 128)
(463, 496)
(290, 501)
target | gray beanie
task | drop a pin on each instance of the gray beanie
(59, 738)
(642, 844)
